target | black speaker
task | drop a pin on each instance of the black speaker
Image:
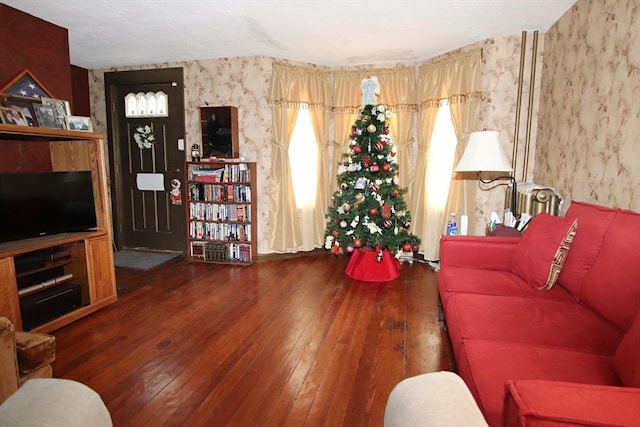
(46, 305)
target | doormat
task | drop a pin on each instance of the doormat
(141, 260)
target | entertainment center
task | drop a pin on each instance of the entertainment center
(67, 271)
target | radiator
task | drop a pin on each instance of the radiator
(533, 199)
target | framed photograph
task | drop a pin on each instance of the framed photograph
(24, 104)
(46, 116)
(12, 116)
(79, 123)
(25, 84)
(62, 109)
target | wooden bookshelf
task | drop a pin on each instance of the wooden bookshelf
(221, 212)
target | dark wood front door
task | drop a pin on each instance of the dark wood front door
(146, 159)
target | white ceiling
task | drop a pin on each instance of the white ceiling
(109, 33)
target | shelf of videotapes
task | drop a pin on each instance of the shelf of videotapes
(220, 208)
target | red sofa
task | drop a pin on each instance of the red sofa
(539, 345)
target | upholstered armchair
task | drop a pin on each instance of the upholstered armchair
(23, 355)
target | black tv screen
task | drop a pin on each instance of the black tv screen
(42, 203)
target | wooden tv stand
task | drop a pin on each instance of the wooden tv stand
(82, 260)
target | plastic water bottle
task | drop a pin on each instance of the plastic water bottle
(452, 225)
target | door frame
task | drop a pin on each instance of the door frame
(113, 80)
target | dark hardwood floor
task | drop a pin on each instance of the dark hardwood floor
(290, 340)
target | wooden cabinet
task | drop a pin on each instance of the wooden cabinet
(221, 213)
(79, 262)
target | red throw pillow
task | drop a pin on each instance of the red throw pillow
(541, 252)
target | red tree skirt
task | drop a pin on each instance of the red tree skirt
(364, 266)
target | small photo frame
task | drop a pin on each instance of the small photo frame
(24, 104)
(46, 116)
(25, 84)
(62, 108)
(12, 116)
(79, 123)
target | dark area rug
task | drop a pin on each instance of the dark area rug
(141, 260)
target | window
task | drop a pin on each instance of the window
(146, 105)
(442, 152)
(303, 157)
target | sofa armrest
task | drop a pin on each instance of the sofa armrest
(493, 253)
(542, 403)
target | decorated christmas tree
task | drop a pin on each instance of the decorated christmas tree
(368, 211)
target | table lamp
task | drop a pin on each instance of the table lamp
(483, 154)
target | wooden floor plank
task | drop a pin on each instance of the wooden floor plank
(290, 340)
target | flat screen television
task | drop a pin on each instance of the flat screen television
(42, 203)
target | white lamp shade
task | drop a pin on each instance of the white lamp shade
(483, 154)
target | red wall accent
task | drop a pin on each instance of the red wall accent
(80, 105)
(42, 48)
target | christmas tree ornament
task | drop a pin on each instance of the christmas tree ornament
(335, 233)
(406, 247)
(357, 243)
(394, 193)
(343, 224)
(387, 209)
(374, 168)
(415, 248)
(379, 256)
(388, 223)
(366, 161)
(336, 248)
(355, 221)
(373, 211)
(379, 146)
(371, 128)
(357, 149)
(386, 167)
(344, 186)
(349, 249)
(374, 187)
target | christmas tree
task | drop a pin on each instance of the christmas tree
(368, 210)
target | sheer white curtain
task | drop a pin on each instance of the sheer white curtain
(303, 157)
(456, 81)
(291, 88)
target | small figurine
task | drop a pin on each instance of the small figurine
(195, 153)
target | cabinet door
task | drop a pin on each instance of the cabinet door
(100, 269)
(9, 304)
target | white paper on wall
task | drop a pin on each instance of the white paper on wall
(150, 181)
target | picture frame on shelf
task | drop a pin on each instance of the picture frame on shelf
(80, 123)
(12, 116)
(46, 116)
(27, 85)
(25, 104)
(62, 108)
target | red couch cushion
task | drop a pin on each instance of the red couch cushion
(566, 324)
(489, 365)
(541, 252)
(491, 282)
(612, 285)
(535, 403)
(593, 222)
(626, 361)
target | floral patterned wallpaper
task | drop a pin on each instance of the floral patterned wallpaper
(589, 127)
(583, 141)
